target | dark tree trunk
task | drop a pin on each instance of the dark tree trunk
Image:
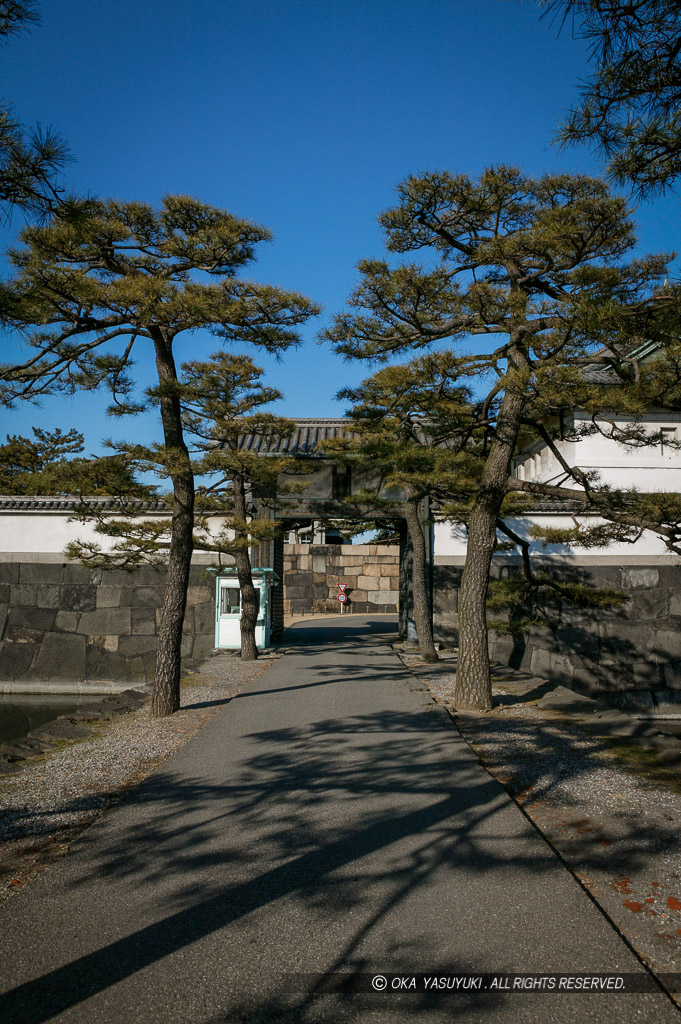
(419, 582)
(249, 595)
(165, 697)
(473, 684)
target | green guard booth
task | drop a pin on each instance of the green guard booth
(228, 607)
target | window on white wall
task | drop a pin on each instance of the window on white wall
(668, 435)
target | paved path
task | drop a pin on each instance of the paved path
(329, 819)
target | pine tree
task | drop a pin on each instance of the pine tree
(537, 265)
(630, 106)
(47, 463)
(413, 432)
(30, 158)
(222, 401)
(102, 278)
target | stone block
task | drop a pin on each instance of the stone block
(109, 597)
(101, 664)
(675, 604)
(670, 576)
(142, 669)
(635, 579)
(643, 674)
(66, 622)
(186, 647)
(187, 622)
(204, 617)
(129, 646)
(4, 609)
(589, 676)
(143, 621)
(665, 645)
(108, 643)
(23, 634)
(203, 646)
(650, 604)
(573, 639)
(61, 657)
(105, 620)
(383, 597)
(32, 618)
(366, 583)
(48, 595)
(319, 563)
(78, 597)
(147, 597)
(23, 593)
(75, 573)
(9, 572)
(371, 569)
(16, 660)
(351, 570)
(550, 665)
(196, 595)
(41, 572)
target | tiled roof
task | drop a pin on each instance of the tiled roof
(72, 503)
(304, 440)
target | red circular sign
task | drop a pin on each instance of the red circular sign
(342, 598)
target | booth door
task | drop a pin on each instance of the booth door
(229, 613)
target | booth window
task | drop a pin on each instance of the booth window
(230, 598)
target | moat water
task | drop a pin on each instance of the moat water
(20, 713)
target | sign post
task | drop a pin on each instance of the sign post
(342, 596)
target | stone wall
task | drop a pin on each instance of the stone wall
(312, 572)
(632, 654)
(63, 623)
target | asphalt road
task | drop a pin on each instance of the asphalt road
(328, 822)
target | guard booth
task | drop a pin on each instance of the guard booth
(228, 607)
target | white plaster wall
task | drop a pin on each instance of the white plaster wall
(450, 541)
(50, 532)
(619, 465)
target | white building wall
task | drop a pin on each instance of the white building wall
(650, 468)
(450, 543)
(48, 533)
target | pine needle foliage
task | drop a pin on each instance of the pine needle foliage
(630, 105)
(31, 159)
(538, 267)
(101, 278)
(47, 463)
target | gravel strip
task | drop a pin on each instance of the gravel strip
(46, 805)
(610, 811)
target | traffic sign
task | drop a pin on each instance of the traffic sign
(342, 598)
(342, 587)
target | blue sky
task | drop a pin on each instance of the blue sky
(301, 116)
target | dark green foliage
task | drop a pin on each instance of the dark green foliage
(30, 158)
(99, 279)
(41, 465)
(537, 265)
(630, 106)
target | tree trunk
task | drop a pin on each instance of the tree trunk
(419, 584)
(473, 684)
(165, 697)
(250, 605)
